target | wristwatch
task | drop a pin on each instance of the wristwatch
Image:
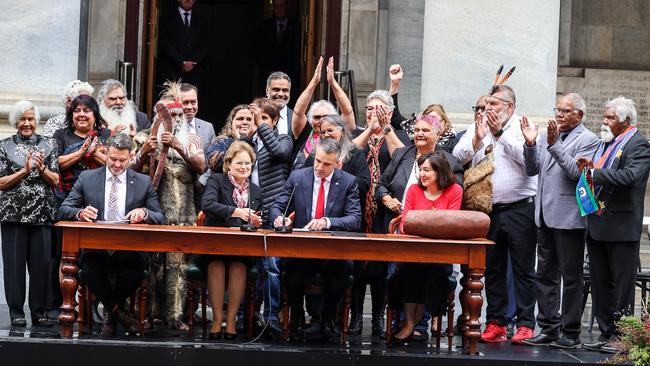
(387, 130)
(499, 133)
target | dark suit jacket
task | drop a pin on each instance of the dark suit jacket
(217, 203)
(342, 208)
(142, 121)
(394, 178)
(176, 44)
(623, 192)
(89, 190)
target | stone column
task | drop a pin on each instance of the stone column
(465, 42)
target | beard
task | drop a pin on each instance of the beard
(606, 133)
(118, 116)
(503, 116)
(179, 130)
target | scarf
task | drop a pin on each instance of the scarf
(372, 159)
(238, 192)
(604, 159)
(311, 143)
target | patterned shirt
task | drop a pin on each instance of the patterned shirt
(30, 200)
(54, 124)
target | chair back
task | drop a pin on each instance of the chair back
(393, 226)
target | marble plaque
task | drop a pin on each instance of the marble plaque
(603, 85)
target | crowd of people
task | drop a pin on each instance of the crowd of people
(102, 160)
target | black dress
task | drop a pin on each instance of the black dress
(218, 206)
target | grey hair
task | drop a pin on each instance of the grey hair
(347, 146)
(277, 75)
(382, 95)
(578, 103)
(329, 146)
(624, 108)
(121, 141)
(320, 103)
(107, 86)
(18, 109)
(506, 89)
(73, 88)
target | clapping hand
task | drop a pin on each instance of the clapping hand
(529, 130)
(330, 71)
(315, 79)
(38, 160)
(552, 132)
(493, 122)
(28, 163)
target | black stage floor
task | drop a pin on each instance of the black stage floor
(43, 346)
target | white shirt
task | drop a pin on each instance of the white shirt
(314, 195)
(189, 16)
(413, 179)
(255, 174)
(509, 180)
(121, 194)
(191, 126)
(283, 129)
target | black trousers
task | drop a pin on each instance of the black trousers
(613, 267)
(420, 283)
(26, 244)
(513, 230)
(127, 268)
(374, 274)
(560, 258)
(300, 273)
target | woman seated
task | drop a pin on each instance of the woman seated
(82, 144)
(415, 285)
(226, 203)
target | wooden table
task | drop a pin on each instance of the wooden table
(232, 241)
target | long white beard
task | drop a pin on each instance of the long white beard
(118, 116)
(180, 131)
(606, 133)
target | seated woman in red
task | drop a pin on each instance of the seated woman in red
(415, 285)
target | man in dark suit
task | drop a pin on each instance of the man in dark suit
(324, 198)
(116, 194)
(183, 46)
(277, 47)
(620, 173)
(560, 228)
(278, 90)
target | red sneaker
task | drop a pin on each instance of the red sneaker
(494, 333)
(522, 334)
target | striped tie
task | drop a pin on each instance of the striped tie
(111, 214)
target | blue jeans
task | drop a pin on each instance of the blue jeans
(271, 268)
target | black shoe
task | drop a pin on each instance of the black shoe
(18, 322)
(314, 330)
(356, 325)
(229, 336)
(541, 339)
(595, 346)
(273, 328)
(510, 330)
(378, 326)
(41, 322)
(330, 330)
(125, 318)
(566, 342)
(215, 336)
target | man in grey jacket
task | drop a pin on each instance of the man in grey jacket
(561, 229)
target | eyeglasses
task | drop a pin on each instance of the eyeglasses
(478, 108)
(242, 164)
(495, 100)
(562, 111)
(330, 131)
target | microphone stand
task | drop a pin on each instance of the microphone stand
(285, 229)
(248, 227)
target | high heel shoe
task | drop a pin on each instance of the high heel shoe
(229, 336)
(397, 341)
(215, 336)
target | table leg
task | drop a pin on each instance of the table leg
(68, 288)
(464, 318)
(474, 302)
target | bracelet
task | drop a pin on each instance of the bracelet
(42, 170)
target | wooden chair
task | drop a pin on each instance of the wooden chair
(197, 281)
(393, 227)
(314, 289)
(87, 299)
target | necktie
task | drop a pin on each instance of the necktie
(111, 213)
(320, 201)
(187, 20)
(280, 32)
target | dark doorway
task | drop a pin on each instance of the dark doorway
(232, 75)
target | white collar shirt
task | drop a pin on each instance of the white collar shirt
(283, 128)
(191, 126)
(189, 16)
(121, 195)
(314, 196)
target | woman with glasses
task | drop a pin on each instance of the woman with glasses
(305, 123)
(230, 199)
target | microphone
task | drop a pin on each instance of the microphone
(248, 227)
(285, 229)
